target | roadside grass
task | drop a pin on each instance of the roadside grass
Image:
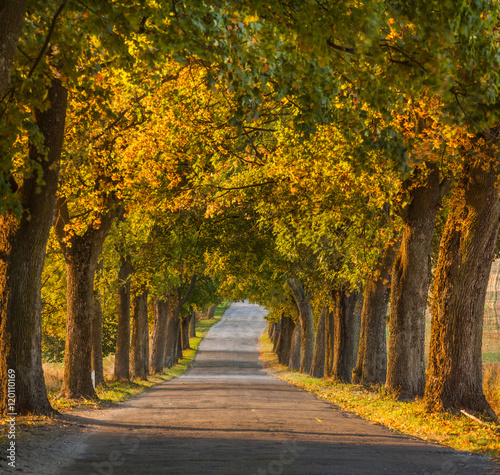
(456, 431)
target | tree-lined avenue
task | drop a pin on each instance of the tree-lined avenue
(227, 415)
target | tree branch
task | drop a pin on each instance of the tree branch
(49, 35)
(188, 292)
(344, 49)
(61, 219)
(253, 185)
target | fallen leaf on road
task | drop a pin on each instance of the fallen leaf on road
(319, 420)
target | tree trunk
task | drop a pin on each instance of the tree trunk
(192, 325)
(11, 22)
(459, 291)
(409, 289)
(211, 312)
(96, 330)
(318, 362)
(159, 335)
(276, 335)
(303, 301)
(80, 269)
(285, 339)
(122, 354)
(346, 334)
(185, 331)
(329, 341)
(179, 354)
(172, 340)
(140, 337)
(173, 344)
(295, 353)
(81, 253)
(22, 253)
(371, 366)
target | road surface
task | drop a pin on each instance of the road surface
(226, 415)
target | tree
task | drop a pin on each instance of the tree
(285, 339)
(97, 336)
(139, 355)
(35, 184)
(459, 289)
(346, 333)
(318, 362)
(161, 314)
(23, 241)
(81, 253)
(11, 23)
(371, 365)
(410, 285)
(122, 354)
(302, 299)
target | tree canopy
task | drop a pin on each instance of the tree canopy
(245, 149)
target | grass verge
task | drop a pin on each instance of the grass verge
(458, 432)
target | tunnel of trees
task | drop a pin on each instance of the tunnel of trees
(335, 162)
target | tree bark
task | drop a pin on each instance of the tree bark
(410, 286)
(371, 366)
(285, 340)
(159, 334)
(122, 354)
(81, 253)
(295, 353)
(329, 341)
(303, 301)
(173, 345)
(96, 330)
(346, 334)
(192, 325)
(139, 355)
(22, 252)
(318, 362)
(185, 321)
(179, 354)
(459, 290)
(276, 335)
(11, 23)
(211, 312)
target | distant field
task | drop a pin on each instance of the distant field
(491, 332)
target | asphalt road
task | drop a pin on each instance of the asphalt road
(226, 415)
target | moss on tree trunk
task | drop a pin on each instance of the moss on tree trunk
(459, 290)
(410, 286)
